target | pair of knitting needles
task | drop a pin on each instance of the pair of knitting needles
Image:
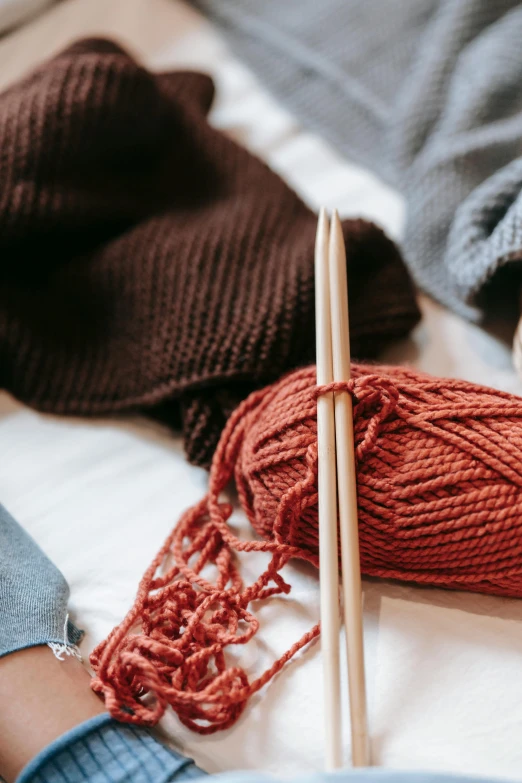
(337, 490)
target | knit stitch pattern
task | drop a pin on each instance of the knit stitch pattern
(426, 93)
(33, 596)
(150, 263)
(104, 751)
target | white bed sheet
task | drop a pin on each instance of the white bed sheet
(443, 668)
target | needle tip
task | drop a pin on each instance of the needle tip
(322, 229)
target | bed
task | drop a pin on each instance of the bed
(443, 668)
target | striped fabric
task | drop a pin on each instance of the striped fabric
(101, 750)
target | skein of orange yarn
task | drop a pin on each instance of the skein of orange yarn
(439, 478)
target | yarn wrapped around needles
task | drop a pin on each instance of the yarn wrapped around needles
(439, 476)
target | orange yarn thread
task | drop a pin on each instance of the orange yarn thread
(439, 481)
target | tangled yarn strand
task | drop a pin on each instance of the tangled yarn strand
(439, 484)
(177, 642)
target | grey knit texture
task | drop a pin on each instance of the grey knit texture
(101, 750)
(33, 594)
(427, 94)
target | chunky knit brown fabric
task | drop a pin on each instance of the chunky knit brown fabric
(148, 262)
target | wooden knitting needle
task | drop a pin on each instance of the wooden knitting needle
(347, 495)
(327, 492)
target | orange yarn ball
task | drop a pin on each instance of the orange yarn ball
(439, 483)
(439, 476)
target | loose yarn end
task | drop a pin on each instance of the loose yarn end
(439, 496)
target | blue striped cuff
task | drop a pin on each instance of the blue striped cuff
(101, 750)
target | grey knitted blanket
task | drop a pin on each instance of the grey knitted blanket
(428, 94)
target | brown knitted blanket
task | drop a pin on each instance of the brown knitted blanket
(147, 262)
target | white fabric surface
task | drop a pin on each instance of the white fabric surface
(443, 668)
(15, 12)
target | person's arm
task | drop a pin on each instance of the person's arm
(53, 728)
(41, 698)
